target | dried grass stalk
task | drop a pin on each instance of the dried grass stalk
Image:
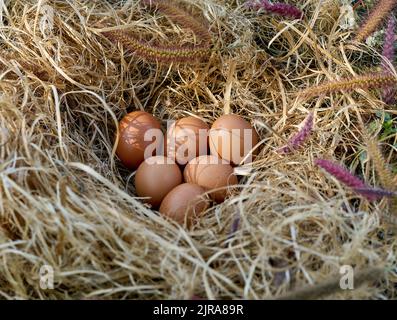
(297, 140)
(380, 164)
(157, 53)
(360, 82)
(170, 54)
(377, 15)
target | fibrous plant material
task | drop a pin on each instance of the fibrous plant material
(29, 67)
(360, 82)
(378, 14)
(282, 9)
(385, 175)
(389, 93)
(167, 54)
(300, 137)
(67, 202)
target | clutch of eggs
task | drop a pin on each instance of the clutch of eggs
(208, 155)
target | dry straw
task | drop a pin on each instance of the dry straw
(66, 202)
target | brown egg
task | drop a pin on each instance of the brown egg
(187, 138)
(155, 177)
(184, 203)
(132, 142)
(232, 138)
(210, 173)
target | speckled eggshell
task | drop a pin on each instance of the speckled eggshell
(210, 172)
(227, 139)
(155, 178)
(131, 146)
(185, 203)
(187, 138)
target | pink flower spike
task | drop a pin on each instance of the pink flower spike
(344, 176)
(235, 226)
(375, 193)
(282, 9)
(340, 173)
(300, 137)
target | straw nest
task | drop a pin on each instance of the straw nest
(67, 202)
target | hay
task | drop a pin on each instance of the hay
(67, 202)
